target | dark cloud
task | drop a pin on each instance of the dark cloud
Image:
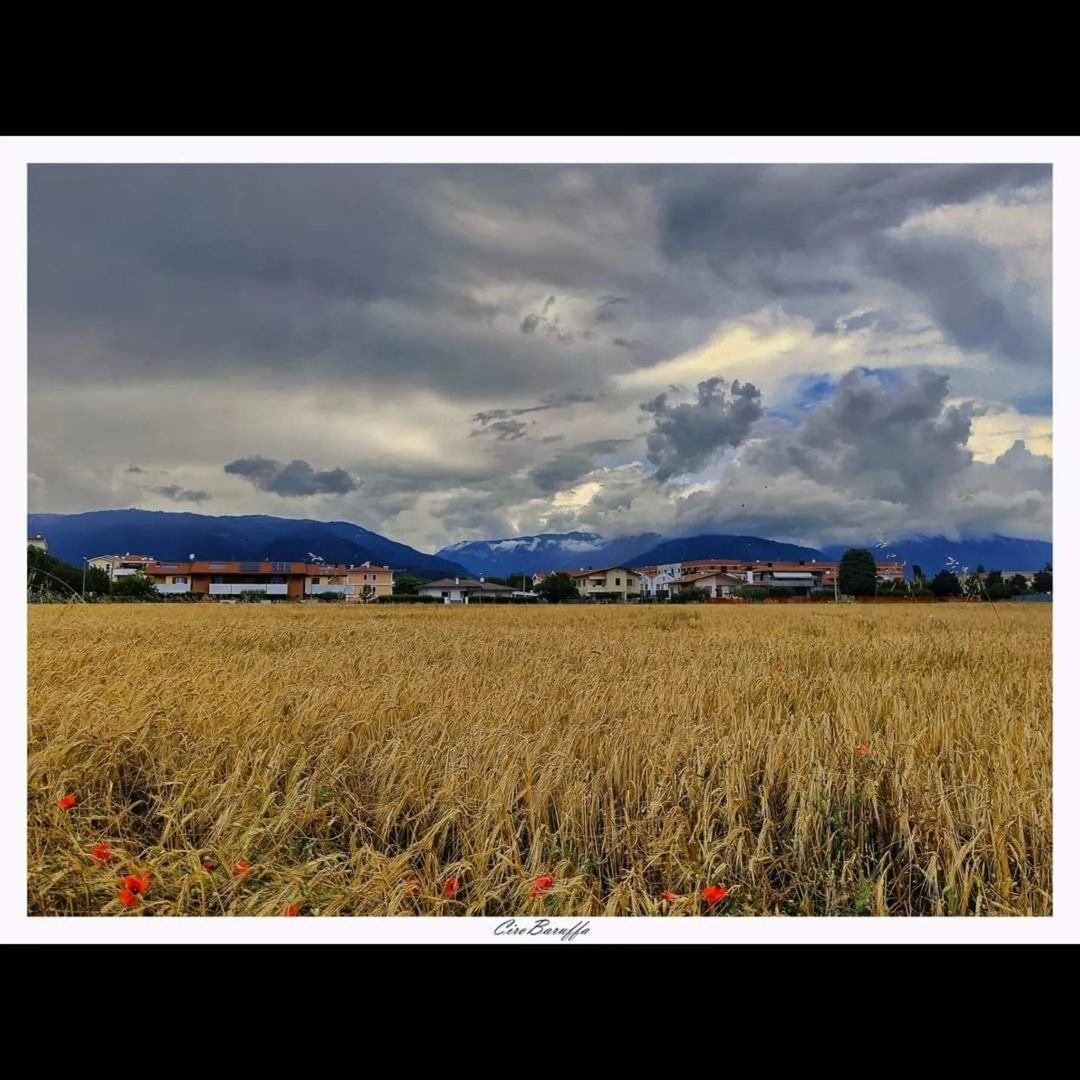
(133, 469)
(883, 435)
(606, 310)
(968, 292)
(553, 401)
(295, 480)
(178, 494)
(685, 437)
(625, 343)
(504, 430)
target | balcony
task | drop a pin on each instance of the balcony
(172, 590)
(259, 587)
(329, 590)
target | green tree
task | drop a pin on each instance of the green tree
(858, 573)
(368, 593)
(518, 580)
(917, 574)
(1043, 582)
(1018, 585)
(945, 583)
(980, 569)
(753, 592)
(408, 584)
(557, 587)
(135, 586)
(993, 579)
(49, 574)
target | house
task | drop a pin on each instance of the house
(367, 581)
(38, 541)
(120, 566)
(459, 590)
(229, 578)
(717, 585)
(608, 583)
(656, 580)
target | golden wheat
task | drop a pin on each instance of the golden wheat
(810, 759)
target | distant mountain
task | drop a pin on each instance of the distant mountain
(724, 546)
(547, 551)
(166, 535)
(932, 553)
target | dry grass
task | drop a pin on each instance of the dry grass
(357, 758)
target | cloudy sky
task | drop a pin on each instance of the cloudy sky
(813, 353)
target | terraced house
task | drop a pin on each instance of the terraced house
(229, 578)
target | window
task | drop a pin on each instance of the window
(445, 593)
(180, 580)
(315, 580)
(617, 581)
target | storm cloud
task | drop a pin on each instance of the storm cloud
(296, 480)
(386, 316)
(685, 437)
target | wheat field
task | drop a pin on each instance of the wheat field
(568, 760)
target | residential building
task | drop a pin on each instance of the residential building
(717, 585)
(369, 581)
(1008, 575)
(608, 583)
(460, 590)
(120, 566)
(656, 580)
(38, 541)
(800, 576)
(226, 578)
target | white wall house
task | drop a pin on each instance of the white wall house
(658, 579)
(458, 590)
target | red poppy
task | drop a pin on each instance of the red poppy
(67, 802)
(128, 898)
(541, 885)
(714, 894)
(137, 885)
(862, 750)
(668, 895)
(241, 867)
(451, 887)
(209, 867)
(101, 852)
(293, 909)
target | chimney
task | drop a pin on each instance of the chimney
(457, 581)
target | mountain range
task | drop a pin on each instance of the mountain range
(581, 550)
(166, 535)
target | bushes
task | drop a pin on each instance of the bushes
(408, 599)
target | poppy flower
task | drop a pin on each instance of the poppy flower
(101, 852)
(541, 885)
(128, 898)
(293, 909)
(862, 750)
(241, 867)
(209, 867)
(668, 895)
(714, 894)
(451, 887)
(137, 885)
(67, 802)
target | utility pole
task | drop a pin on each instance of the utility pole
(85, 562)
